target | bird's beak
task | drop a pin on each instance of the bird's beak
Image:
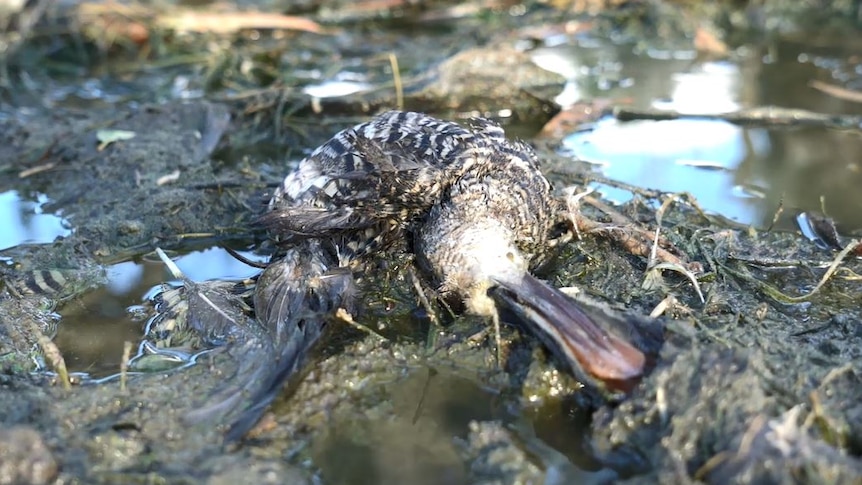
(564, 326)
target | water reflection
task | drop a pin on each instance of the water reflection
(709, 88)
(675, 156)
(743, 173)
(812, 169)
(96, 325)
(23, 221)
(335, 88)
(421, 435)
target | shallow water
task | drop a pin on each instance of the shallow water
(742, 173)
(24, 221)
(95, 327)
(416, 445)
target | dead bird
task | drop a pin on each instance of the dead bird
(293, 299)
(356, 194)
(475, 208)
(482, 212)
(361, 191)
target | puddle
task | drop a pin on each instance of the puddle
(415, 442)
(23, 221)
(95, 326)
(742, 173)
(700, 157)
(421, 439)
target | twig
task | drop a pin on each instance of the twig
(242, 259)
(630, 238)
(421, 404)
(42, 167)
(766, 115)
(423, 299)
(573, 205)
(37, 169)
(55, 358)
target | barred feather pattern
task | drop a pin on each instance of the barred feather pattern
(369, 183)
(369, 188)
(506, 201)
(293, 300)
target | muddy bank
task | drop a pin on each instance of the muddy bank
(745, 387)
(155, 184)
(738, 380)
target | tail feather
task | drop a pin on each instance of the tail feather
(294, 298)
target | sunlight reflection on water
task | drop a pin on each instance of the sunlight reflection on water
(23, 221)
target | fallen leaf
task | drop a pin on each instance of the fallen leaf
(106, 137)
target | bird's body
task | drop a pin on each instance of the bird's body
(353, 196)
(367, 185)
(474, 207)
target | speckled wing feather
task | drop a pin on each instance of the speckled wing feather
(294, 300)
(372, 179)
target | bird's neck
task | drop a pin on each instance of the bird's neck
(484, 254)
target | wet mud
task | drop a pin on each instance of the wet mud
(743, 387)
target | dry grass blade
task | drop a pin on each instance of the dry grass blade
(55, 359)
(668, 302)
(635, 239)
(396, 79)
(344, 316)
(848, 274)
(670, 265)
(124, 364)
(778, 295)
(685, 272)
(837, 91)
(171, 265)
(849, 249)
